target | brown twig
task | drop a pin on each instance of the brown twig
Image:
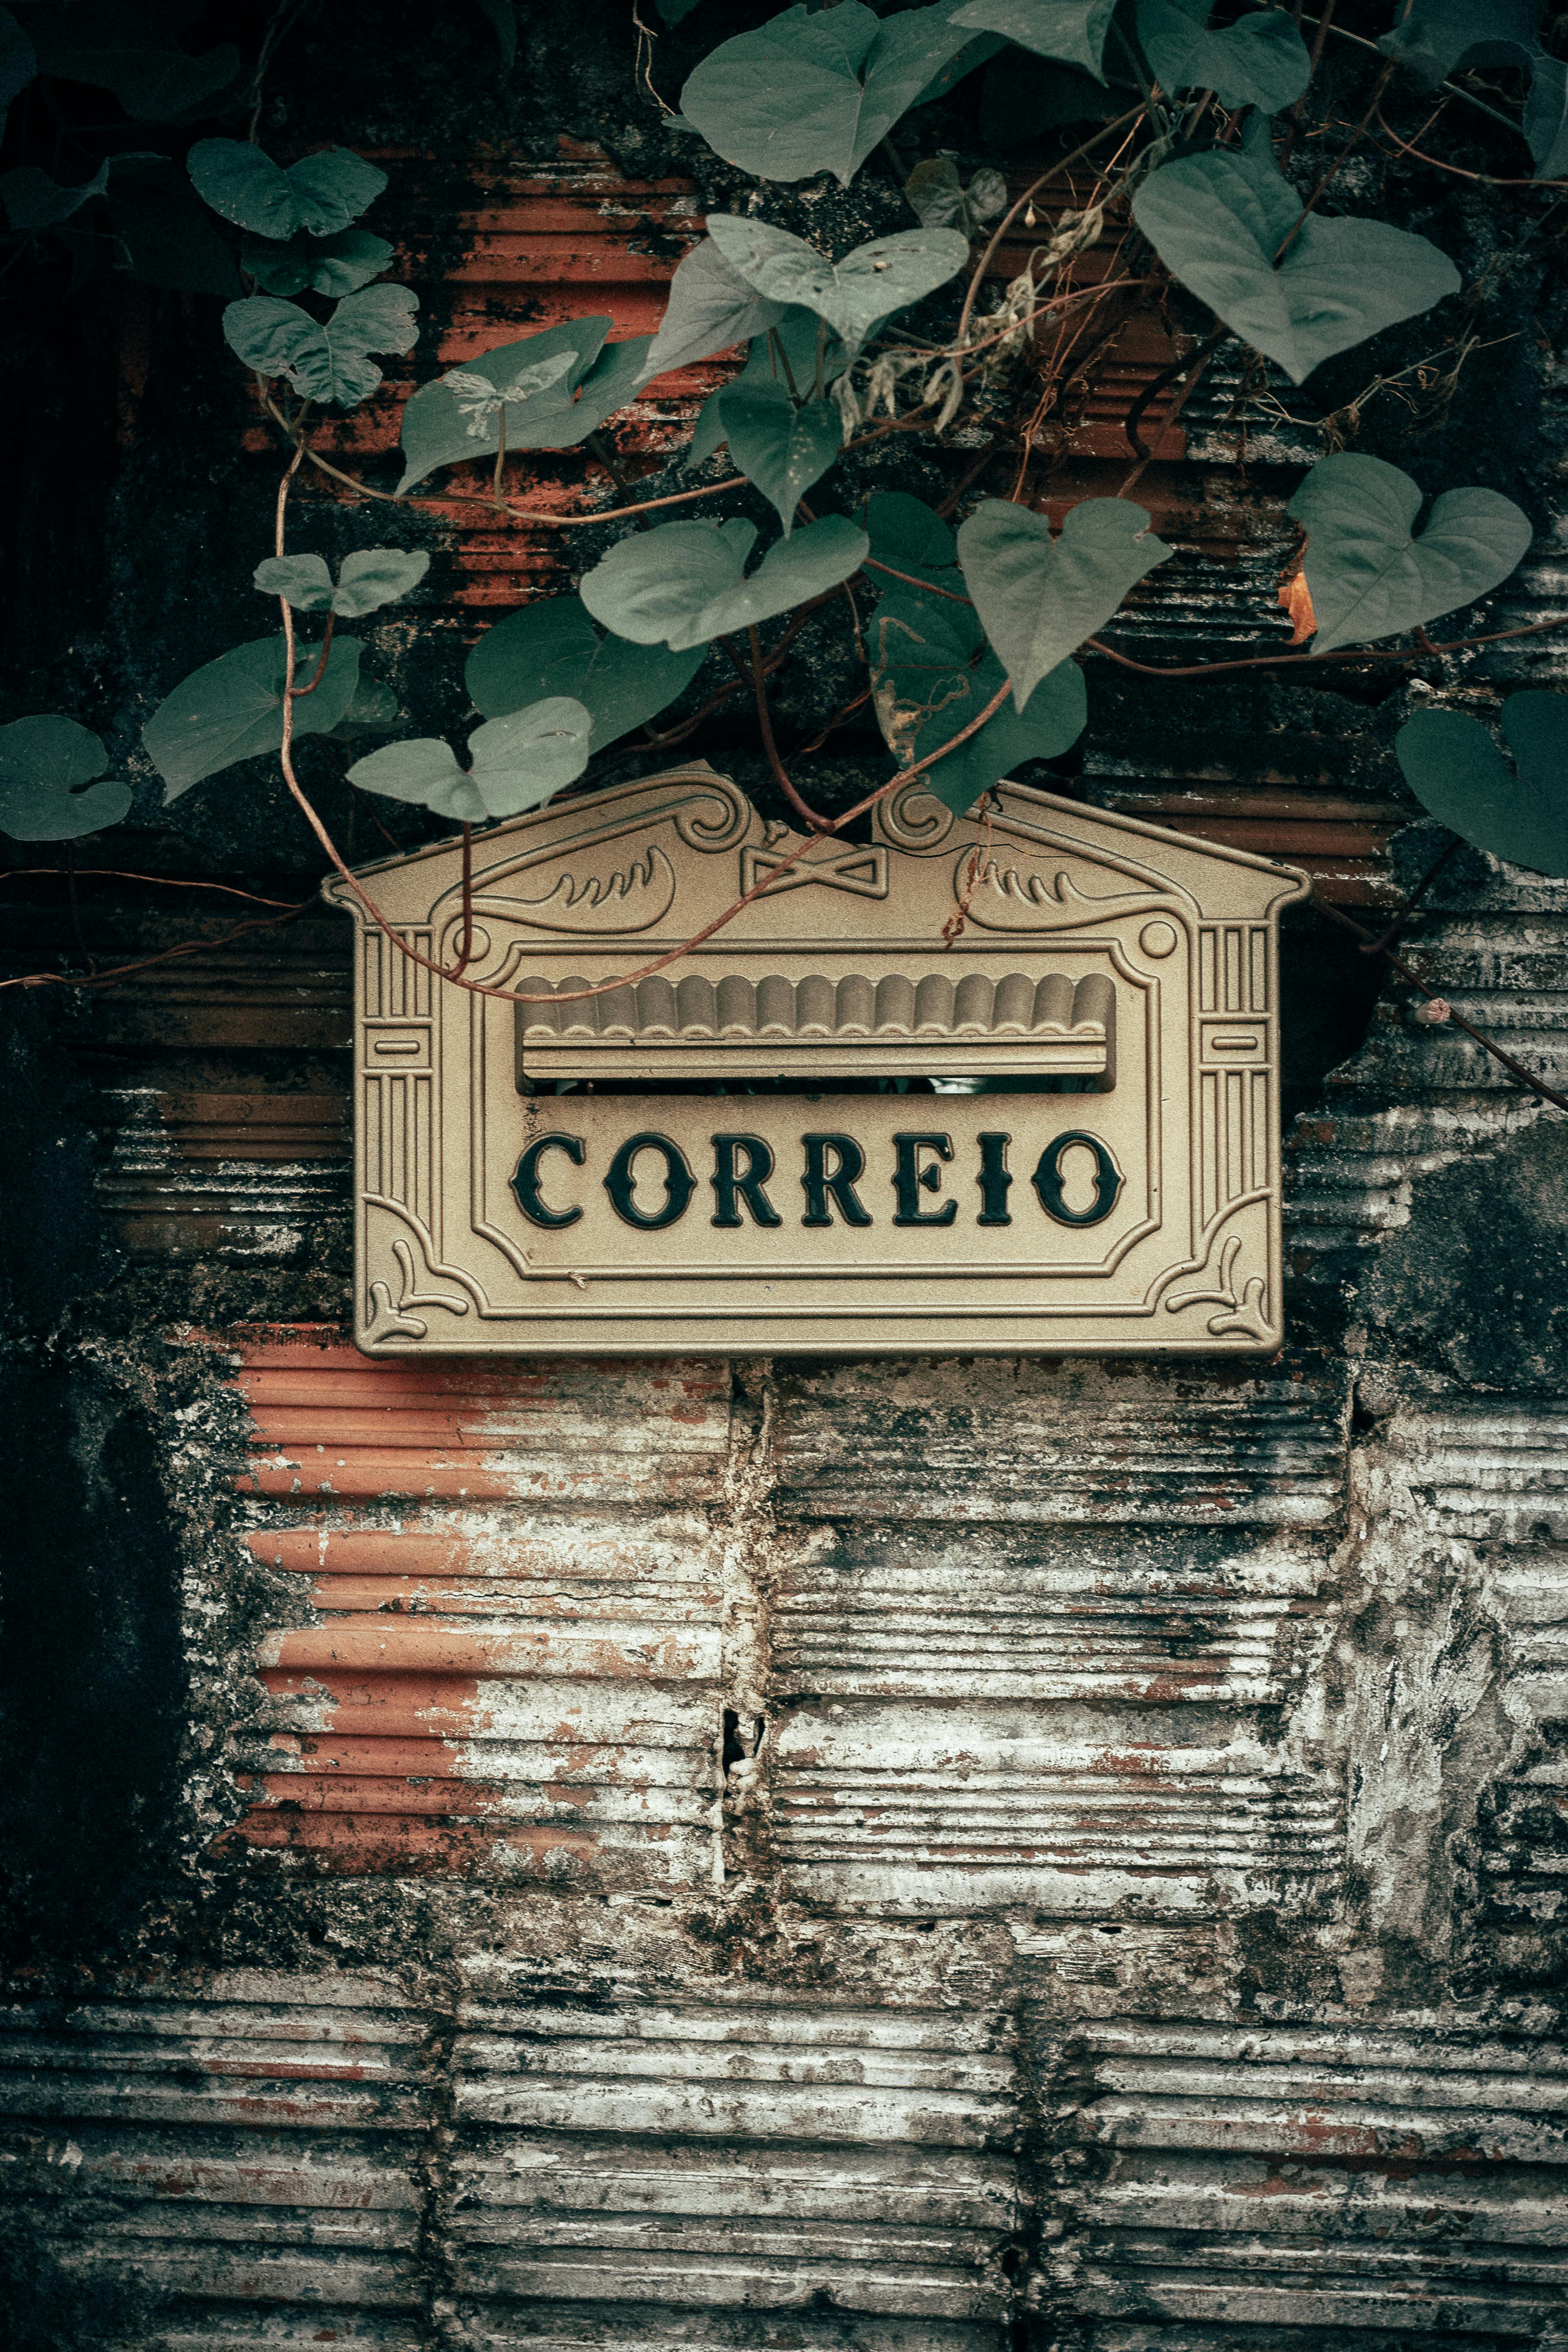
(661, 963)
(1341, 160)
(466, 936)
(165, 955)
(1292, 660)
(1408, 906)
(1525, 1076)
(764, 721)
(118, 874)
(1030, 193)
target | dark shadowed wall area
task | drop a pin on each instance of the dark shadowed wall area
(1019, 1855)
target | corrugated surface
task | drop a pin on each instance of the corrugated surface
(254, 2150)
(512, 1654)
(735, 2155)
(1333, 2183)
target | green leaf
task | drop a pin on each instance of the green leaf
(502, 17)
(455, 420)
(328, 362)
(1055, 719)
(786, 354)
(1457, 771)
(373, 711)
(321, 193)
(232, 708)
(1438, 36)
(782, 448)
(18, 62)
(853, 295)
(711, 309)
(134, 52)
(1071, 30)
(551, 647)
(932, 671)
(610, 384)
(1216, 221)
(816, 92)
(1368, 577)
(1261, 60)
(369, 578)
(334, 265)
(47, 788)
(675, 12)
(304, 580)
(938, 198)
(517, 763)
(685, 582)
(373, 576)
(169, 237)
(1039, 598)
(34, 201)
(1545, 124)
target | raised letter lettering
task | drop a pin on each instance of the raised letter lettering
(1048, 1181)
(525, 1183)
(679, 1181)
(994, 1181)
(731, 1186)
(819, 1180)
(909, 1178)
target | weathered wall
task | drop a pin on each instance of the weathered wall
(913, 1856)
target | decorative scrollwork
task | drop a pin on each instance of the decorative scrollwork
(714, 817)
(913, 818)
(389, 1321)
(1246, 1312)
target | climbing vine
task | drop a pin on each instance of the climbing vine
(1201, 187)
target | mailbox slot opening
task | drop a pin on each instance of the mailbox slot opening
(890, 1031)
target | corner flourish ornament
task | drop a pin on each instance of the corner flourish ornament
(1247, 1314)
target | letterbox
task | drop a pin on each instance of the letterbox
(1001, 1082)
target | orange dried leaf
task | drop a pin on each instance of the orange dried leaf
(1297, 599)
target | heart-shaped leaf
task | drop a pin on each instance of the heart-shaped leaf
(373, 576)
(47, 790)
(686, 582)
(1438, 36)
(33, 201)
(328, 362)
(335, 264)
(551, 647)
(1545, 124)
(517, 763)
(711, 309)
(786, 355)
(1217, 221)
(609, 385)
(133, 51)
(1038, 597)
(1368, 577)
(1073, 31)
(369, 578)
(456, 419)
(1261, 60)
(232, 708)
(321, 193)
(1457, 771)
(304, 580)
(812, 92)
(783, 448)
(853, 295)
(932, 671)
(18, 61)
